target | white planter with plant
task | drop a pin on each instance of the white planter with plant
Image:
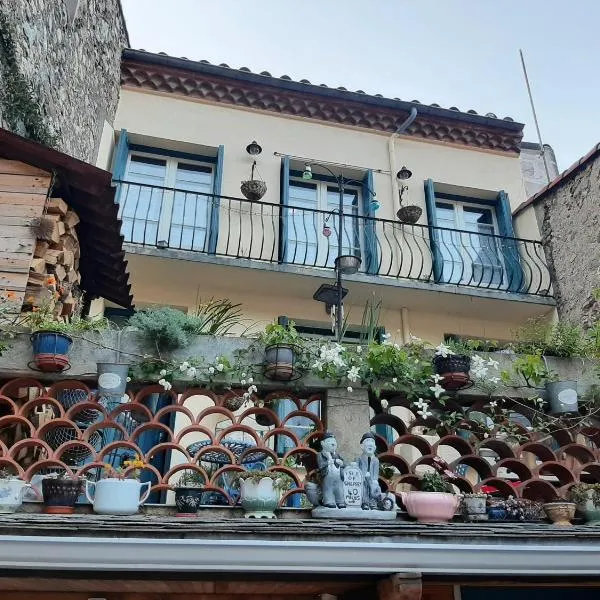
(12, 490)
(260, 492)
(475, 507)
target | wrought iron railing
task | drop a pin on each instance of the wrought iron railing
(263, 231)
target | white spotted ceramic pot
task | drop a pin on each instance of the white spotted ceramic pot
(259, 498)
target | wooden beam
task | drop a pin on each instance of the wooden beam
(24, 184)
(16, 167)
(12, 199)
(401, 586)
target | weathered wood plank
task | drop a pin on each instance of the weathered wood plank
(21, 211)
(18, 221)
(14, 198)
(24, 232)
(16, 167)
(16, 245)
(13, 281)
(15, 265)
(26, 184)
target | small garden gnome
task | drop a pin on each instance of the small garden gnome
(331, 468)
(368, 464)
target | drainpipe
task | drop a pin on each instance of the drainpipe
(392, 152)
(405, 325)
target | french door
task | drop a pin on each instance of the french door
(309, 214)
(166, 201)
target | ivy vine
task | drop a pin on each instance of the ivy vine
(20, 106)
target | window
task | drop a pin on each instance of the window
(473, 241)
(470, 252)
(168, 198)
(310, 205)
(169, 204)
(307, 209)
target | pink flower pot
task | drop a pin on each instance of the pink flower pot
(430, 507)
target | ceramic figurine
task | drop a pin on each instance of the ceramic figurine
(368, 464)
(331, 468)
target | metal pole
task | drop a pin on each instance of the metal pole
(535, 119)
(338, 314)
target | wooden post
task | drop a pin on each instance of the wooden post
(401, 586)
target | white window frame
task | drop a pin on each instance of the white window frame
(171, 164)
(459, 225)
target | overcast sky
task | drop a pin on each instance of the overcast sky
(460, 53)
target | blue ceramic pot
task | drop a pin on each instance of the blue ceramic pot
(50, 350)
(496, 513)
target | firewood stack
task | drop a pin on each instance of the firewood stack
(54, 270)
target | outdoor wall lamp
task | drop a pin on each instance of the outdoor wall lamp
(307, 172)
(403, 174)
(253, 149)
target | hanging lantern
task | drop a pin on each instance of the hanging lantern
(375, 205)
(326, 231)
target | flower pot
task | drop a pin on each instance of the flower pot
(253, 189)
(60, 494)
(114, 496)
(430, 507)
(409, 214)
(112, 378)
(590, 509)
(50, 351)
(259, 499)
(497, 513)
(475, 508)
(560, 513)
(11, 494)
(454, 369)
(562, 396)
(279, 362)
(188, 500)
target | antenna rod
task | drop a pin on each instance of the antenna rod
(535, 119)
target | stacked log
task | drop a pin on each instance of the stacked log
(54, 270)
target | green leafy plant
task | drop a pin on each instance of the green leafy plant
(579, 493)
(560, 339)
(190, 479)
(531, 368)
(165, 327)
(275, 334)
(434, 482)
(281, 481)
(215, 317)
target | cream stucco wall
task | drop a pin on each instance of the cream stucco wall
(170, 122)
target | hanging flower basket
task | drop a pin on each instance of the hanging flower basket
(280, 361)
(409, 214)
(50, 351)
(454, 369)
(253, 189)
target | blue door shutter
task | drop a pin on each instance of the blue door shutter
(284, 183)
(213, 234)
(371, 257)
(434, 234)
(510, 247)
(120, 156)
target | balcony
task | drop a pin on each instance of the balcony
(297, 238)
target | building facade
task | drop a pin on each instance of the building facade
(568, 215)
(179, 156)
(59, 71)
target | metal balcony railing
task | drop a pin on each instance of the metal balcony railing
(262, 231)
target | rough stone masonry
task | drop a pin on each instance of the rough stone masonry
(68, 52)
(569, 214)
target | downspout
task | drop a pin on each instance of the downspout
(392, 152)
(405, 325)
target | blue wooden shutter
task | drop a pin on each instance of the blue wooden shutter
(434, 234)
(284, 183)
(510, 247)
(371, 255)
(213, 234)
(120, 156)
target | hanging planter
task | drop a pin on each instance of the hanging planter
(454, 369)
(253, 189)
(409, 214)
(280, 361)
(50, 351)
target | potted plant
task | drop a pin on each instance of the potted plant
(282, 350)
(435, 503)
(260, 492)
(188, 493)
(12, 490)
(587, 498)
(60, 492)
(253, 189)
(452, 362)
(560, 512)
(117, 494)
(475, 506)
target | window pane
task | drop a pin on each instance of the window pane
(303, 225)
(350, 223)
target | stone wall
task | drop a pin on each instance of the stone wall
(63, 57)
(569, 219)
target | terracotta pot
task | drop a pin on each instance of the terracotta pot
(560, 513)
(430, 507)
